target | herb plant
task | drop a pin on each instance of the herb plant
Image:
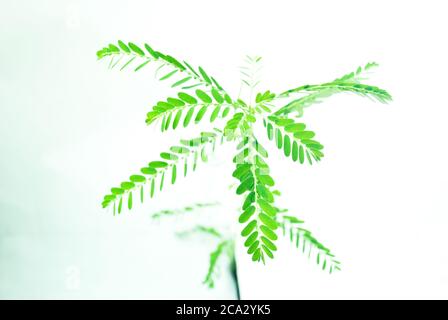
(201, 98)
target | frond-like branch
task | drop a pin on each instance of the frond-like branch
(156, 172)
(361, 89)
(187, 108)
(350, 82)
(184, 74)
(258, 214)
(224, 246)
(250, 71)
(328, 89)
(214, 259)
(307, 243)
(293, 138)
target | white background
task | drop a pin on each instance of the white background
(70, 129)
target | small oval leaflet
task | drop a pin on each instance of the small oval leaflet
(187, 98)
(137, 178)
(203, 96)
(127, 185)
(157, 164)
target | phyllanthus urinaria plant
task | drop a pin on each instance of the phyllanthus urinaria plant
(201, 98)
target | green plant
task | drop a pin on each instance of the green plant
(200, 96)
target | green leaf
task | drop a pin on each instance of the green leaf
(266, 207)
(137, 178)
(127, 185)
(245, 216)
(265, 193)
(215, 113)
(191, 68)
(278, 138)
(153, 187)
(130, 201)
(283, 122)
(217, 96)
(267, 251)
(168, 122)
(249, 200)
(227, 98)
(203, 96)
(204, 75)
(257, 255)
(188, 117)
(163, 106)
(246, 185)
(304, 135)
(169, 156)
(260, 149)
(181, 81)
(123, 46)
(162, 180)
(158, 164)
(268, 233)
(200, 114)
(270, 130)
(177, 119)
(185, 167)
(117, 191)
(168, 75)
(253, 247)
(204, 155)
(267, 221)
(296, 127)
(287, 145)
(120, 205)
(251, 239)
(241, 170)
(136, 49)
(180, 150)
(141, 65)
(187, 98)
(301, 155)
(148, 171)
(172, 61)
(225, 112)
(249, 228)
(216, 83)
(173, 174)
(266, 179)
(268, 243)
(151, 51)
(310, 161)
(175, 102)
(295, 151)
(127, 63)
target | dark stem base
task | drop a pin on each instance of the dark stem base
(234, 272)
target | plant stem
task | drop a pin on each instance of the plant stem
(234, 272)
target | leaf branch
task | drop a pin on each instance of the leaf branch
(307, 243)
(293, 138)
(186, 75)
(186, 108)
(185, 155)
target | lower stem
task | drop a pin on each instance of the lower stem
(234, 272)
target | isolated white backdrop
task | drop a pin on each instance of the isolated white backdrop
(70, 129)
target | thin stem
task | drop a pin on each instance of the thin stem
(234, 272)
